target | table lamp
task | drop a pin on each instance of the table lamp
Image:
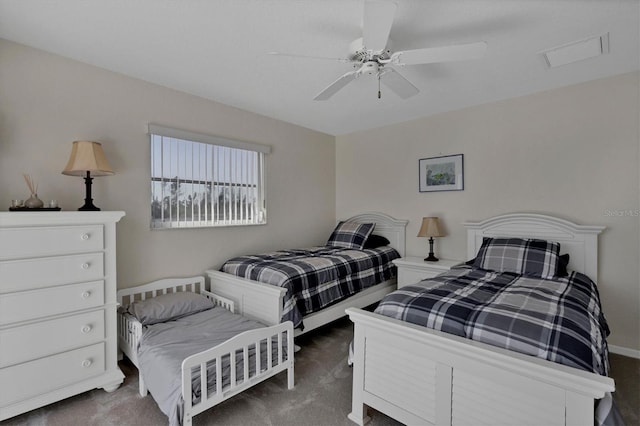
(431, 228)
(87, 159)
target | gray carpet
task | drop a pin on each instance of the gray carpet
(626, 372)
(322, 395)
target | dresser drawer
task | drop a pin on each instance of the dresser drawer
(48, 241)
(412, 270)
(16, 275)
(40, 339)
(33, 378)
(32, 304)
(408, 276)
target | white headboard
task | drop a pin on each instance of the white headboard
(581, 242)
(386, 226)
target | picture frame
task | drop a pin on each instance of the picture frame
(445, 173)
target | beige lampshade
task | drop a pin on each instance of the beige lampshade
(87, 156)
(431, 228)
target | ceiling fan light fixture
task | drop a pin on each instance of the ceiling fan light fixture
(370, 67)
(577, 51)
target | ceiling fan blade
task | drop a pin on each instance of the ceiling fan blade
(398, 84)
(294, 55)
(376, 24)
(430, 55)
(334, 87)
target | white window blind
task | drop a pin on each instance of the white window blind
(201, 180)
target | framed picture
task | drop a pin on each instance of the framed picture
(441, 173)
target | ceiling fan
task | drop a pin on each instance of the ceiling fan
(372, 54)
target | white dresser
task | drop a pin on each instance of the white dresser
(57, 307)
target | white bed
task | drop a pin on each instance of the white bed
(130, 331)
(264, 302)
(422, 376)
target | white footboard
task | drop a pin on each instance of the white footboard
(258, 301)
(279, 336)
(421, 376)
(264, 302)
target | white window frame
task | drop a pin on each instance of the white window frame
(241, 163)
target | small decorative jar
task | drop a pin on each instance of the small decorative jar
(34, 202)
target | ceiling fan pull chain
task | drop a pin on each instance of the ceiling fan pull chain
(379, 94)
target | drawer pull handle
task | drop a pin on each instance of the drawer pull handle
(85, 294)
(84, 237)
(86, 328)
(85, 265)
(86, 363)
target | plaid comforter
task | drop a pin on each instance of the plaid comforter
(559, 320)
(316, 277)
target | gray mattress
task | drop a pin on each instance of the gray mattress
(164, 346)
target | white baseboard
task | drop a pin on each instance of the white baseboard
(619, 350)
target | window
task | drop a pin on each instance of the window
(200, 180)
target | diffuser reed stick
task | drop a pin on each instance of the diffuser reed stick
(31, 183)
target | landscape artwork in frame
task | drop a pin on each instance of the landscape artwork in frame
(441, 173)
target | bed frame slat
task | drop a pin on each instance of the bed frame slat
(204, 389)
(232, 361)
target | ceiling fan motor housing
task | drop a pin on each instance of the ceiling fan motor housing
(359, 53)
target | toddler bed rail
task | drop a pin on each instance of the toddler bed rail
(276, 347)
(258, 354)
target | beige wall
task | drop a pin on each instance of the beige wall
(571, 152)
(46, 102)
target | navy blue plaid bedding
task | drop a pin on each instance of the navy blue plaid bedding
(316, 277)
(559, 320)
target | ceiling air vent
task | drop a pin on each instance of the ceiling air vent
(577, 51)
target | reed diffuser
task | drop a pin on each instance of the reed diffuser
(33, 202)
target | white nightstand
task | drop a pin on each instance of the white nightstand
(414, 269)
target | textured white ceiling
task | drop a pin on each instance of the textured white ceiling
(218, 49)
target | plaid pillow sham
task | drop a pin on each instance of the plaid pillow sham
(530, 257)
(351, 235)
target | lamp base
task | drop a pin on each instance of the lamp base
(431, 257)
(88, 201)
(89, 208)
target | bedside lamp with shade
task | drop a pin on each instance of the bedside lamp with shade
(431, 228)
(87, 159)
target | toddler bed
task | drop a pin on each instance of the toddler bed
(180, 336)
(312, 287)
(519, 368)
